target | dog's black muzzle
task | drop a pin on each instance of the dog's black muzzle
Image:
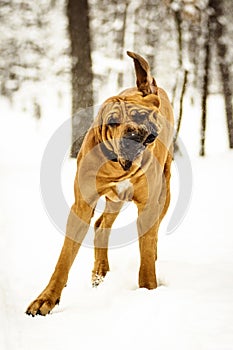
(134, 142)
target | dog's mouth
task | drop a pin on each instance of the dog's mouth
(125, 163)
(129, 150)
(133, 143)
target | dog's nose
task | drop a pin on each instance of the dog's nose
(137, 135)
(133, 136)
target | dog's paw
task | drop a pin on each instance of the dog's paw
(41, 306)
(97, 280)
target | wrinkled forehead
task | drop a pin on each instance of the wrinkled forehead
(124, 109)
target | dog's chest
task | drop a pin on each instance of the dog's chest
(121, 191)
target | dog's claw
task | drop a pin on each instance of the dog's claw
(41, 306)
(97, 280)
(29, 314)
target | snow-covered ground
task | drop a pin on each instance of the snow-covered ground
(192, 309)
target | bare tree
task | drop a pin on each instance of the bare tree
(180, 109)
(82, 77)
(218, 32)
(205, 83)
(120, 16)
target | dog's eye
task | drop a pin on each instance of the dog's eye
(113, 120)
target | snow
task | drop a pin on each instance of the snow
(193, 306)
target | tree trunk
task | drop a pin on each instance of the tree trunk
(121, 16)
(181, 108)
(218, 29)
(178, 21)
(82, 91)
(205, 86)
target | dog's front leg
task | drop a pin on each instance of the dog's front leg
(148, 225)
(148, 255)
(75, 232)
(102, 232)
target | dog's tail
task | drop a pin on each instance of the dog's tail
(145, 82)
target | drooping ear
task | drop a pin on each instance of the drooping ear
(145, 82)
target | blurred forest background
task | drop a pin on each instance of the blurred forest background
(77, 48)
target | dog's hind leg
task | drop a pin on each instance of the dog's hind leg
(102, 232)
(165, 192)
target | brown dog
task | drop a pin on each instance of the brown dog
(126, 155)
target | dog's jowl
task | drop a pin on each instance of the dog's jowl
(125, 156)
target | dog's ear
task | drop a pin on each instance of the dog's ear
(145, 82)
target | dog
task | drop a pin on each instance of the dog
(126, 156)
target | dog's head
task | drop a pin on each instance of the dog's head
(128, 123)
